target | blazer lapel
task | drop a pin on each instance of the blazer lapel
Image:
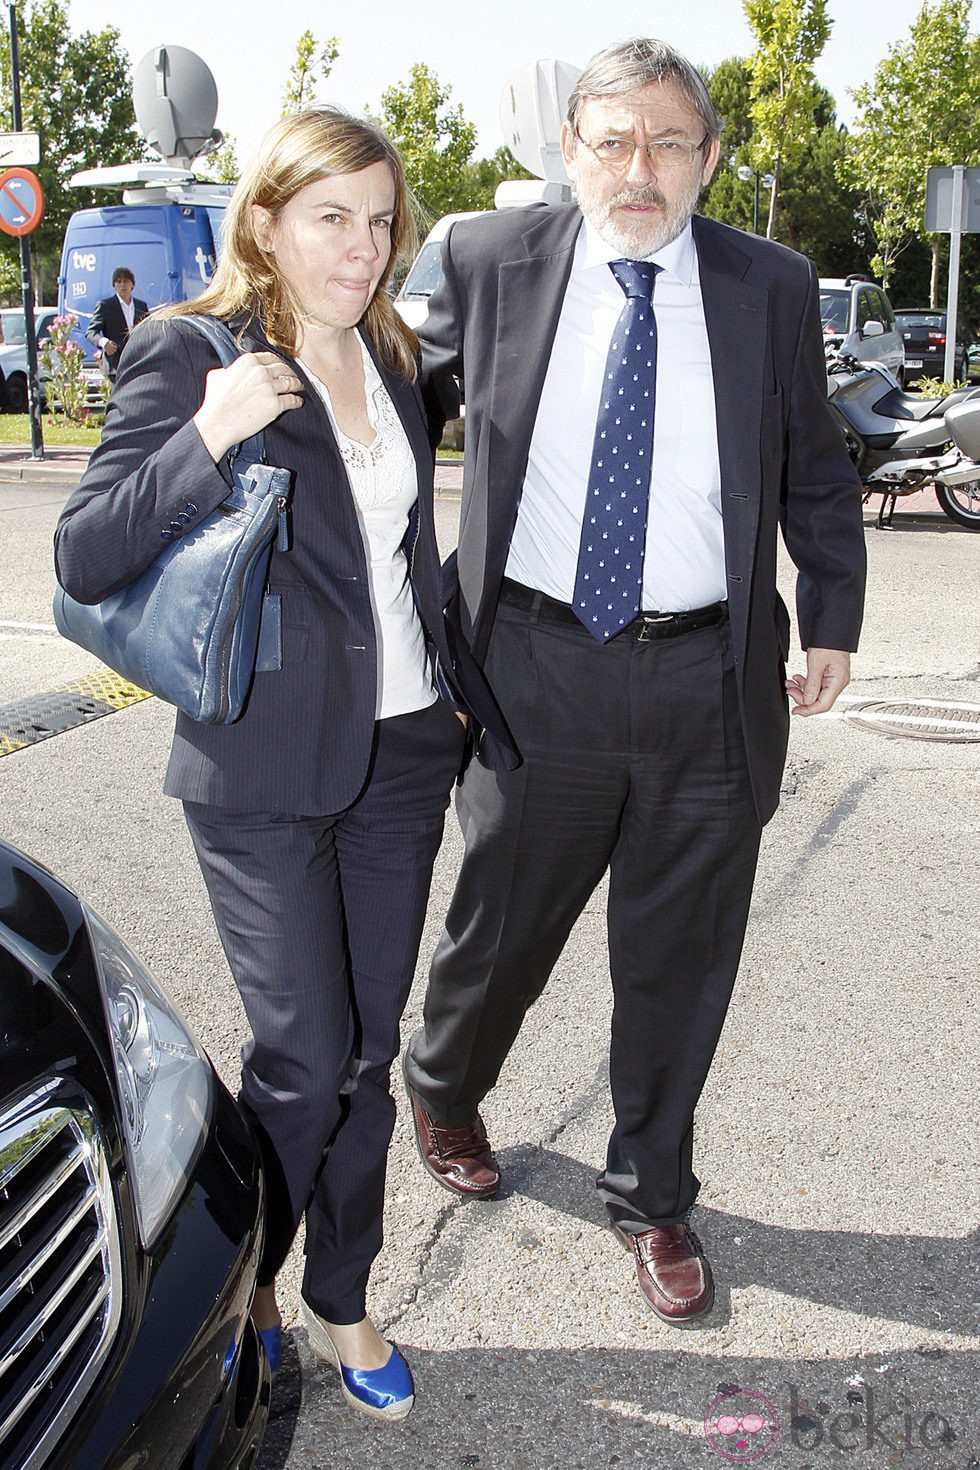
(531, 289)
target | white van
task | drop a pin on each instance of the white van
(412, 301)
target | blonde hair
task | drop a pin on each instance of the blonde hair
(317, 143)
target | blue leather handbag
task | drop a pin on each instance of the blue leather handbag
(196, 624)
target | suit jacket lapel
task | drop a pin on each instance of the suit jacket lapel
(531, 289)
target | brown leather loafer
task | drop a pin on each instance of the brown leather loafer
(460, 1159)
(672, 1271)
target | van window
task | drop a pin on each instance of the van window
(425, 274)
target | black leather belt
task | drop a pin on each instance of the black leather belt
(645, 628)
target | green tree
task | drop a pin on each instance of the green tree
(314, 62)
(76, 91)
(479, 179)
(818, 215)
(922, 109)
(790, 35)
(435, 141)
(219, 165)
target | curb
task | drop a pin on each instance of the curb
(41, 472)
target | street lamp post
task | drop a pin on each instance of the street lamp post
(767, 180)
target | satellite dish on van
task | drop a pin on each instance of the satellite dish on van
(532, 110)
(176, 103)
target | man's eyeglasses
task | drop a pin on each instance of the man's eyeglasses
(663, 153)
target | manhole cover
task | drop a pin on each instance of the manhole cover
(926, 719)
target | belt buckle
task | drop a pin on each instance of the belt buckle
(651, 620)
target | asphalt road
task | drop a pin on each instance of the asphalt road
(836, 1141)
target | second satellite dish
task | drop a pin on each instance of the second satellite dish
(532, 110)
(176, 103)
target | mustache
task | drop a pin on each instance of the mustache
(650, 194)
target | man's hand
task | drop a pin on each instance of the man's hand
(828, 673)
(108, 347)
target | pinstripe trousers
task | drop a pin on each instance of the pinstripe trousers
(321, 919)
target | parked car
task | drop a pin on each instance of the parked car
(924, 334)
(412, 301)
(13, 354)
(131, 1209)
(858, 320)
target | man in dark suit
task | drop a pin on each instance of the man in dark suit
(628, 464)
(115, 317)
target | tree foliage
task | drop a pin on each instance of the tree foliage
(435, 140)
(790, 35)
(481, 177)
(817, 215)
(219, 165)
(313, 64)
(922, 109)
(76, 91)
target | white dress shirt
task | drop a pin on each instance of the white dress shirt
(129, 316)
(384, 482)
(684, 559)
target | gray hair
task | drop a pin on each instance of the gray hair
(630, 65)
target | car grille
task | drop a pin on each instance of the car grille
(60, 1271)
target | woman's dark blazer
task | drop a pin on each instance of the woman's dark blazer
(303, 743)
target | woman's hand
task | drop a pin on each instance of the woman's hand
(244, 398)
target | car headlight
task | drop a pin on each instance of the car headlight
(163, 1078)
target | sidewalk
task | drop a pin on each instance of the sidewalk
(63, 466)
(60, 465)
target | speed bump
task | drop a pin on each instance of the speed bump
(39, 716)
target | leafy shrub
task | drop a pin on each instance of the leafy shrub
(62, 360)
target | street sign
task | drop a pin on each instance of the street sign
(20, 150)
(940, 200)
(21, 201)
(953, 209)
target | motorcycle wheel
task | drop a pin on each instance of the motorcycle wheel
(961, 503)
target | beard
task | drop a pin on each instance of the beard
(640, 236)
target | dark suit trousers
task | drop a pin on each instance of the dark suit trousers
(321, 920)
(635, 762)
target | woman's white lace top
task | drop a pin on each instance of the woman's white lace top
(385, 488)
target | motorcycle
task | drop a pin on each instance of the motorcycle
(901, 442)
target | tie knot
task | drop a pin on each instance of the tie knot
(637, 277)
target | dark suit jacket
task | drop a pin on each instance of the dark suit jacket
(108, 321)
(783, 461)
(303, 743)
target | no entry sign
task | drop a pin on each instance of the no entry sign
(21, 201)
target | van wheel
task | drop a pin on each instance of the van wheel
(15, 394)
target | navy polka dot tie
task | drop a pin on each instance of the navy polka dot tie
(609, 580)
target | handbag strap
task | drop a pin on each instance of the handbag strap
(222, 339)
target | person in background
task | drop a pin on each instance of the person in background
(316, 817)
(645, 410)
(114, 318)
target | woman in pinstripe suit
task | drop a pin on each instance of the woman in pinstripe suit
(317, 816)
